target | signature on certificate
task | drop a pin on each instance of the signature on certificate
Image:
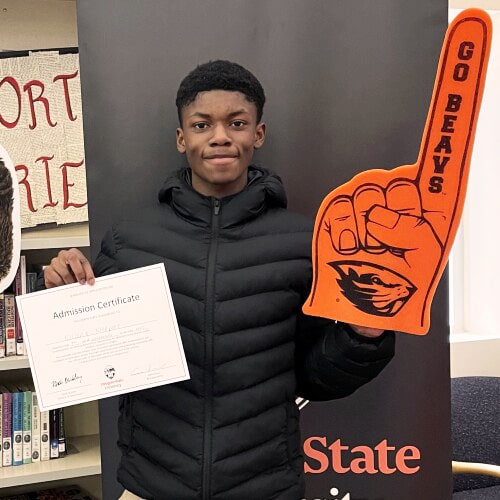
(73, 378)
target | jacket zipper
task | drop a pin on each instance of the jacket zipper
(209, 350)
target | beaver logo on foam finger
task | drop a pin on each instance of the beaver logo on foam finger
(372, 288)
(381, 241)
(10, 221)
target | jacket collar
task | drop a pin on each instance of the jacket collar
(263, 190)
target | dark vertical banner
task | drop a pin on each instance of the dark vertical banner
(348, 86)
(390, 440)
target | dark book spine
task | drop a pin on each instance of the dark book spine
(31, 282)
(54, 433)
(20, 289)
(62, 434)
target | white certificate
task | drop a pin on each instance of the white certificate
(90, 342)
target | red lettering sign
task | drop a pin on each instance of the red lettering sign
(340, 458)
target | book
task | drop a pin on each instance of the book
(17, 427)
(71, 492)
(35, 430)
(27, 416)
(20, 289)
(2, 325)
(6, 426)
(44, 436)
(10, 324)
(62, 434)
(31, 278)
(1, 409)
(54, 433)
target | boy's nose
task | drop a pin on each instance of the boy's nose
(220, 137)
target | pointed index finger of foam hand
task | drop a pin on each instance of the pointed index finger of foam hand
(445, 153)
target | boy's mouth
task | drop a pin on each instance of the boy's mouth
(221, 159)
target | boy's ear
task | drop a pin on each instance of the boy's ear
(179, 140)
(260, 135)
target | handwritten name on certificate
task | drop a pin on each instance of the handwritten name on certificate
(90, 342)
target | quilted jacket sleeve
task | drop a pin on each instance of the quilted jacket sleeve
(333, 361)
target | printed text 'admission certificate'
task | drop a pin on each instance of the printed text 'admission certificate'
(89, 342)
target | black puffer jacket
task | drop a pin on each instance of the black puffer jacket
(239, 270)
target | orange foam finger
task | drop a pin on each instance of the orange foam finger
(446, 149)
(407, 229)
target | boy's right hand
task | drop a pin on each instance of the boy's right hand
(68, 267)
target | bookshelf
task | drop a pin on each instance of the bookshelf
(82, 465)
(14, 363)
(83, 459)
(68, 236)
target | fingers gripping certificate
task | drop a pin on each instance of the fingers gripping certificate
(89, 342)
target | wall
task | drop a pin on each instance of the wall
(35, 24)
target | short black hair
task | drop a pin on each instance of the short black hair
(220, 75)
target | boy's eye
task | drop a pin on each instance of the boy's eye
(200, 125)
(238, 123)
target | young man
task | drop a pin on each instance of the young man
(239, 268)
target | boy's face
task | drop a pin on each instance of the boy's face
(218, 135)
